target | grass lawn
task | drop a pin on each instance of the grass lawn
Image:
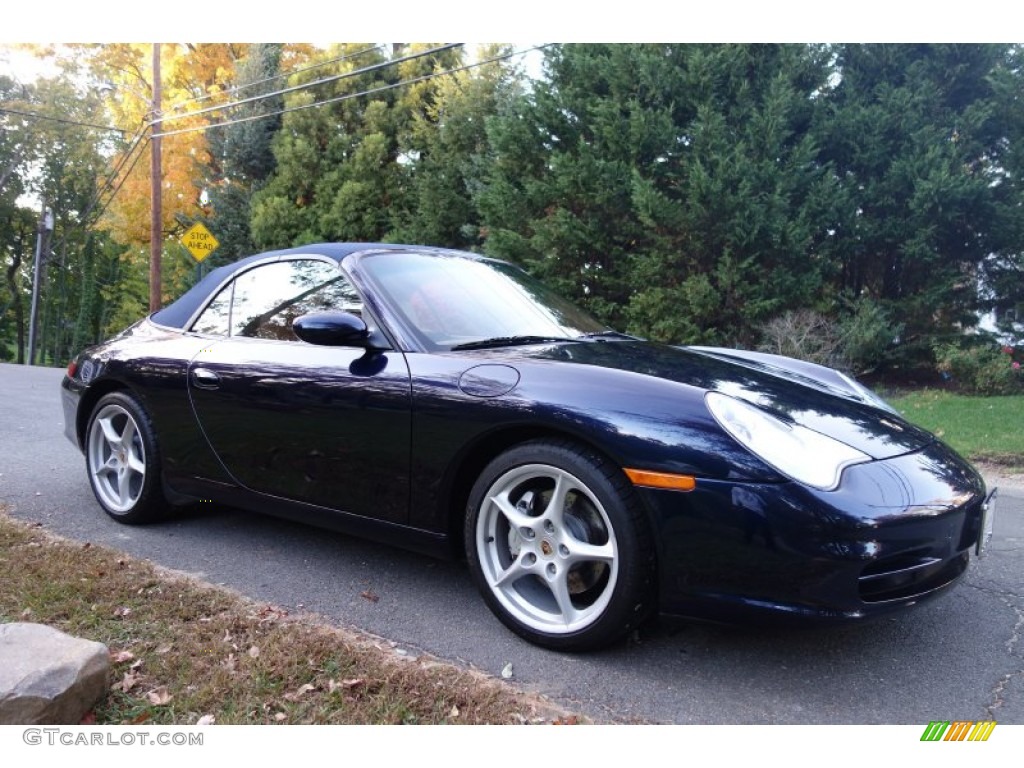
(184, 653)
(981, 428)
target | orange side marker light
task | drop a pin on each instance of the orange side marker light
(661, 480)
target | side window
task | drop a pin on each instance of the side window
(267, 299)
(263, 302)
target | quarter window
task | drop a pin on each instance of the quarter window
(216, 317)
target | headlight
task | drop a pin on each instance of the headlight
(802, 454)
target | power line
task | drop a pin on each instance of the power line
(108, 181)
(315, 83)
(140, 139)
(140, 143)
(35, 116)
(345, 97)
(243, 86)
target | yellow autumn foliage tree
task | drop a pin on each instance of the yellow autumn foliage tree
(194, 78)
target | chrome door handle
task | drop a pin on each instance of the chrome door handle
(204, 378)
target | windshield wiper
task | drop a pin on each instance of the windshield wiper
(610, 334)
(509, 341)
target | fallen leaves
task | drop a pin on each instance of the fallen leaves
(126, 683)
(159, 697)
(334, 686)
(296, 695)
(270, 614)
(181, 653)
(133, 676)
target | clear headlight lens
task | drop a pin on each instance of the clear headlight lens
(802, 454)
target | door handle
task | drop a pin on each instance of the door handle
(204, 378)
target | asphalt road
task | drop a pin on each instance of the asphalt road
(960, 657)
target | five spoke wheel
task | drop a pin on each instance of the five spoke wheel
(556, 543)
(117, 458)
(120, 454)
(547, 548)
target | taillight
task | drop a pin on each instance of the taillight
(72, 367)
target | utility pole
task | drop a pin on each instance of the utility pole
(45, 226)
(156, 190)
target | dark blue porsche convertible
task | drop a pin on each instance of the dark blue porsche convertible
(449, 403)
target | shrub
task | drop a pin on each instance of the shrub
(867, 336)
(805, 335)
(981, 369)
(859, 342)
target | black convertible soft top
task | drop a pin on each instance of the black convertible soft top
(178, 313)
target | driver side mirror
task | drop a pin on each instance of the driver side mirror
(332, 329)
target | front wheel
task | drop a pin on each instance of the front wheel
(559, 546)
(122, 460)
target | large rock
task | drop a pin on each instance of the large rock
(48, 677)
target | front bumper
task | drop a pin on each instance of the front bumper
(893, 533)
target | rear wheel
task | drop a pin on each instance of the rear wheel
(559, 546)
(122, 460)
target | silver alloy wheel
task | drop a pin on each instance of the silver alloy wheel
(117, 458)
(547, 549)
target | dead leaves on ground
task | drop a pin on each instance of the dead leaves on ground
(159, 697)
(184, 652)
(296, 695)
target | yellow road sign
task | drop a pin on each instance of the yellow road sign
(199, 242)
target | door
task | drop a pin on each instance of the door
(325, 425)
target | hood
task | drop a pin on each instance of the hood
(814, 397)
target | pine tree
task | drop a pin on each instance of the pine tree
(241, 158)
(914, 142)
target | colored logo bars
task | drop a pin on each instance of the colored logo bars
(958, 730)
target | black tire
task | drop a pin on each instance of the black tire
(122, 459)
(577, 574)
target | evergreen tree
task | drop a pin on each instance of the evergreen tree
(338, 174)
(732, 205)
(556, 187)
(1002, 272)
(241, 157)
(672, 188)
(439, 154)
(915, 142)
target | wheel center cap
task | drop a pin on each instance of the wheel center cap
(546, 549)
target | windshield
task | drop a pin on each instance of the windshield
(449, 301)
